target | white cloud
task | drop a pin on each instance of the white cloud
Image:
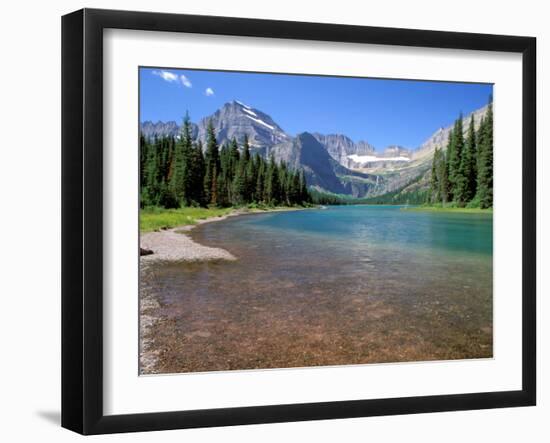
(166, 75)
(185, 81)
(209, 92)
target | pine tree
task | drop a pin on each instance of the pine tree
(214, 189)
(187, 141)
(294, 188)
(289, 175)
(479, 140)
(240, 183)
(151, 173)
(250, 171)
(251, 177)
(212, 166)
(443, 178)
(165, 197)
(259, 190)
(468, 166)
(485, 162)
(143, 152)
(272, 184)
(224, 183)
(165, 154)
(434, 183)
(179, 180)
(177, 172)
(147, 167)
(234, 158)
(283, 183)
(304, 194)
(448, 154)
(455, 176)
(223, 191)
(196, 172)
(465, 187)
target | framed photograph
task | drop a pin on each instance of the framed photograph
(269, 221)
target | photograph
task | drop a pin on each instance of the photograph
(294, 221)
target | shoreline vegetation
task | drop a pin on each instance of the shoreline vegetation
(163, 231)
(156, 218)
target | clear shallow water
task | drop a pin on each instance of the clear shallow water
(342, 285)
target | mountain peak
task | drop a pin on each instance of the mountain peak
(242, 104)
(306, 135)
(236, 119)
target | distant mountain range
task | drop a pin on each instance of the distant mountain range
(333, 162)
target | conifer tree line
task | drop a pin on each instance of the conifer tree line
(463, 172)
(178, 172)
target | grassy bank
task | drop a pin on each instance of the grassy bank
(154, 218)
(454, 209)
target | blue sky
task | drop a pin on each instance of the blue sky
(382, 112)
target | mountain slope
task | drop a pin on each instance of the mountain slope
(304, 151)
(237, 120)
(420, 166)
(440, 137)
(341, 147)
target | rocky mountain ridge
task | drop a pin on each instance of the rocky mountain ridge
(332, 163)
(237, 120)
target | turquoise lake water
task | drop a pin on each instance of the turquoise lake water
(341, 285)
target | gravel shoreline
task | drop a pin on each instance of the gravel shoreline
(174, 245)
(166, 245)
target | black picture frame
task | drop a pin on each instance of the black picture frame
(82, 219)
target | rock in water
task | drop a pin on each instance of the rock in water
(143, 251)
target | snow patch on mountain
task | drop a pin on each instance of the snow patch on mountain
(248, 111)
(242, 104)
(261, 122)
(371, 158)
